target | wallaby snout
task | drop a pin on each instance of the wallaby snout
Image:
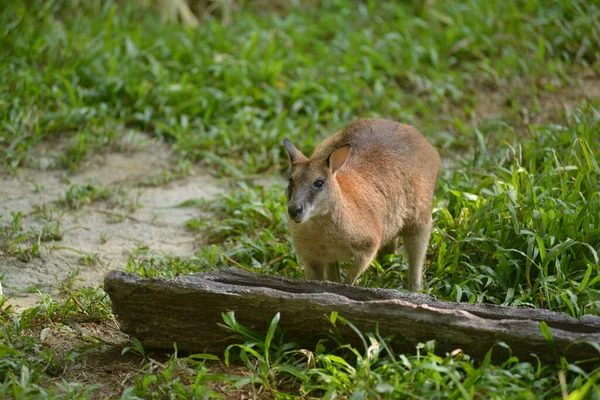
(362, 188)
(295, 212)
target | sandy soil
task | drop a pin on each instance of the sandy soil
(547, 106)
(95, 231)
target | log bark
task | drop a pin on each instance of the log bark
(187, 309)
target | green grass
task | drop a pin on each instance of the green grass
(26, 362)
(239, 89)
(525, 231)
(25, 244)
(334, 369)
(79, 195)
(517, 213)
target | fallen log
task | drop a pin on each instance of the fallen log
(187, 309)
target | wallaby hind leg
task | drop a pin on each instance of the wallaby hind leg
(416, 241)
(389, 248)
(314, 271)
(361, 263)
(333, 272)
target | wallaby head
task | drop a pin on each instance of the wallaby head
(312, 185)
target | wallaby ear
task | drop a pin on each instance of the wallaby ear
(293, 152)
(338, 158)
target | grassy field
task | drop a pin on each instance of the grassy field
(508, 91)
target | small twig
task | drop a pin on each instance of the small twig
(76, 327)
(187, 16)
(242, 178)
(157, 362)
(76, 227)
(87, 335)
(275, 260)
(114, 214)
(563, 384)
(237, 264)
(114, 321)
(77, 303)
(127, 377)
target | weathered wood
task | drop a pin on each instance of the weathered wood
(187, 309)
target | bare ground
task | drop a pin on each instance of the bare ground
(91, 356)
(546, 106)
(99, 236)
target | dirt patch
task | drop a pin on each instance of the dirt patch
(91, 356)
(545, 106)
(99, 237)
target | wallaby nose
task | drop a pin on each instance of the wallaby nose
(295, 210)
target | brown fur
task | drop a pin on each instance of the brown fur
(379, 177)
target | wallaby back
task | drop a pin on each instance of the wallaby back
(362, 187)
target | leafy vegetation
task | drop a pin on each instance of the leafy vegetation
(524, 229)
(378, 372)
(78, 195)
(221, 90)
(500, 87)
(25, 244)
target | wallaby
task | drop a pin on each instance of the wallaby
(362, 188)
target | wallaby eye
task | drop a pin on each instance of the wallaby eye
(290, 181)
(318, 184)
